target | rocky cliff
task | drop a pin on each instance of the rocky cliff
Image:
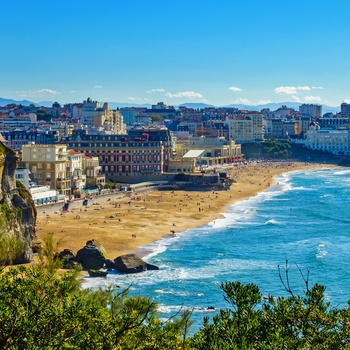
(17, 213)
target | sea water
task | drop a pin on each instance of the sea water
(304, 219)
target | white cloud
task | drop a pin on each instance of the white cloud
(154, 90)
(292, 90)
(189, 94)
(312, 99)
(243, 101)
(304, 88)
(263, 102)
(234, 88)
(37, 93)
(138, 99)
(297, 99)
(346, 101)
(288, 90)
(98, 86)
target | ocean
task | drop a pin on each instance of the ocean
(303, 219)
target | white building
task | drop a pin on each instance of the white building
(40, 194)
(44, 195)
(22, 175)
(12, 121)
(333, 141)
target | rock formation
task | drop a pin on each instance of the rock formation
(131, 263)
(92, 256)
(17, 212)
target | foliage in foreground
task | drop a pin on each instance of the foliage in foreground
(40, 309)
(293, 322)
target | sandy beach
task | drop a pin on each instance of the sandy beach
(124, 224)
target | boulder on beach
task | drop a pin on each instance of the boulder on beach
(67, 257)
(131, 263)
(92, 256)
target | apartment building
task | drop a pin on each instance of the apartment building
(95, 116)
(311, 110)
(128, 115)
(246, 128)
(48, 166)
(94, 178)
(17, 138)
(345, 110)
(141, 155)
(75, 171)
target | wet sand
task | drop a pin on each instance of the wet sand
(122, 225)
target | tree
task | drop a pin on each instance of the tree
(156, 118)
(43, 115)
(56, 105)
(43, 309)
(293, 322)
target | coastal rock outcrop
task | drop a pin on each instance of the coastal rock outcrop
(17, 212)
(67, 257)
(92, 256)
(131, 263)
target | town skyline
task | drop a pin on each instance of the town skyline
(249, 53)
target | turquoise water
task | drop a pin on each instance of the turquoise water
(303, 219)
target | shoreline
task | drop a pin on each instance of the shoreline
(128, 224)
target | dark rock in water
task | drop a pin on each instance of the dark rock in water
(130, 263)
(92, 256)
(97, 273)
(110, 264)
(151, 267)
(67, 257)
(17, 210)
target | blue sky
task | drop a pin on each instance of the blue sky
(219, 52)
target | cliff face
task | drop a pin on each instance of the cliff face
(17, 210)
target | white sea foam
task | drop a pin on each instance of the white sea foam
(321, 251)
(213, 269)
(342, 172)
(302, 188)
(173, 292)
(174, 309)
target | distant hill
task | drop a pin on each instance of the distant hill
(45, 103)
(6, 101)
(195, 105)
(274, 106)
(115, 105)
